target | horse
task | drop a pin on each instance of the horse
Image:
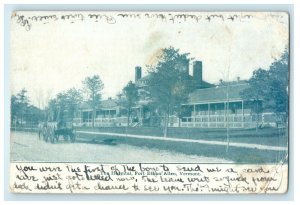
(42, 128)
(66, 133)
(51, 129)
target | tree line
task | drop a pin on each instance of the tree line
(22, 112)
(269, 89)
(167, 88)
(65, 103)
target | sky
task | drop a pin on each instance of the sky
(53, 54)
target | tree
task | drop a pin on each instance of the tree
(22, 112)
(51, 110)
(33, 116)
(256, 91)
(64, 105)
(23, 102)
(74, 98)
(93, 85)
(131, 97)
(270, 87)
(277, 90)
(61, 107)
(14, 107)
(169, 83)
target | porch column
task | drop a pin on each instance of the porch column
(243, 120)
(208, 120)
(140, 118)
(225, 110)
(194, 115)
(80, 116)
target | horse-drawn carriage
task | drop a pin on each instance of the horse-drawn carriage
(59, 123)
(51, 131)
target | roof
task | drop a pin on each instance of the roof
(203, 84)
(217, 94)
(105, 104)
(109, 103)
(239, 82)
(84, 105)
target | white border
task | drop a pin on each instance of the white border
(295, 110)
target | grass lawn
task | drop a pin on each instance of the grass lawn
(236, 154)
(266, 136)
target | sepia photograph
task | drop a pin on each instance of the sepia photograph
(165, 88)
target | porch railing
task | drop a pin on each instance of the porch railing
(200, 121)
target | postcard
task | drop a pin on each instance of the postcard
(149, 102)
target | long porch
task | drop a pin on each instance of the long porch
(108, 118)
(231, 114)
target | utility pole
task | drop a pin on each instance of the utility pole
(227, 110)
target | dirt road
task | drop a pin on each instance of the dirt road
(25, 146)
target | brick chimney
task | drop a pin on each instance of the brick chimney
(197, 72)
(138, 73)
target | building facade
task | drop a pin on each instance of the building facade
(222, 106)
(208, 106)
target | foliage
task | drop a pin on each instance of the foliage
(93, 86)
(14, 107)
(33, 115)
(74, 97)
(277, 90)
(21, 104)
(169, 84)
(23, 98)
(64, 105)
(255, 91)
(52, 110)
(270, 86)
(130, 99)
(22, 113)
